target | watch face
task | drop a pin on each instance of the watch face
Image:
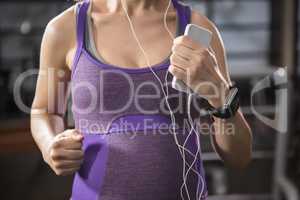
(231, 105)
(230, 97)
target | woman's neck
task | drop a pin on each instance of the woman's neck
(133, 6)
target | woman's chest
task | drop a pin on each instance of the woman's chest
(119, 43)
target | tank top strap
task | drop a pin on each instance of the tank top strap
(81, 12)
(81, 22)
(184, 15)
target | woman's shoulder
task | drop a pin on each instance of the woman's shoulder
(59, 38)
(201, 20)
(62, 28)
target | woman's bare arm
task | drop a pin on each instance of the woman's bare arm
(196, 66)
(234, 149)
(60, 148)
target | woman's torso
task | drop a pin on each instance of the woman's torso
(130, 151)
(108, 40)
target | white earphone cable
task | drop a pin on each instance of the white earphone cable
(191, 123)
(181, 148)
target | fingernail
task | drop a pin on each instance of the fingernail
(79, 136)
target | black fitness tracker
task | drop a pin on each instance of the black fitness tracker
(230, 106)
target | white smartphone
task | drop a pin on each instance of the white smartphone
(199, 35)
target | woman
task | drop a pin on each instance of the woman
(119, 148)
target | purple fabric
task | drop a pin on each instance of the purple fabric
(184, 14)
(88, 181)
(123, 163)
(80, 19)
(135, 123)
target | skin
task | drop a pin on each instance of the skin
(62, 148)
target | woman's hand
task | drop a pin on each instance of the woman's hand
(197, 67)
(64, 154)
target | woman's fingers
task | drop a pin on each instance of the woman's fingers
(64, 172)
(66, 154)
(177, 72)
(179, 61)
(188, 42)
(66, 161)
(70, 142)
(67, 164)
(71, 133)
(182, 51)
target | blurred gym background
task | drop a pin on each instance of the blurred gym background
(260, 36)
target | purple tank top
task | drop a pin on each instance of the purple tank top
(129, 148)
